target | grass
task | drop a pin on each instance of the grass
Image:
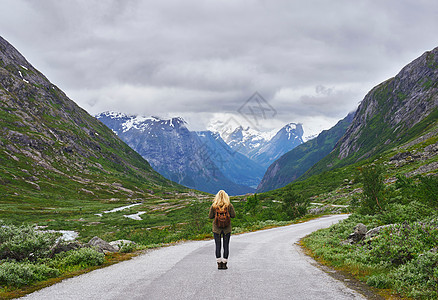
(110, 259)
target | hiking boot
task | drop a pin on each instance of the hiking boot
(224, 263)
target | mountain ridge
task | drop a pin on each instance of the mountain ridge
(261, 147)
(176, 152)
(296, 162)
(390, 114)
(235, 165)
(52, 148)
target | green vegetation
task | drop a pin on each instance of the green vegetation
(84, 257)
(24, 242)
(294, 205)
(373, 188)
(173, 215)
(16, 274)
(27, 256)
(402, 256)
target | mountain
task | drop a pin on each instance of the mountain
(235, 165)
(174, 151)
(54, 151)
(392, 113)
(286, 139)
(296, 162)
(261, 147)
(243, 140)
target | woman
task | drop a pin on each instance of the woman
(221, 203)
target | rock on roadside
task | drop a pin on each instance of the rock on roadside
(101, 245)
(358, 235)
(375, 231)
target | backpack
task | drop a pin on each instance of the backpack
(222, 219)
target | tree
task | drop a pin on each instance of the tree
(198, 215)
(251, 203)
(373, 187)
(294, 205)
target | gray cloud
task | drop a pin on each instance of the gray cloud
(312, 60)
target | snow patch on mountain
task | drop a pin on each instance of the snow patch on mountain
(141, 123)
(111, 114)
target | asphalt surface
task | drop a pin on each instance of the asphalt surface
(262, 265)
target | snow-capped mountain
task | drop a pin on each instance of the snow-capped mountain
(296, 162)
(234, 165)
(244, 140)
(174, 151)
(234, 159)
(121, 123)
(261, 147)
(287, 138)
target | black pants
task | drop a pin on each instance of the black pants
(217, 240)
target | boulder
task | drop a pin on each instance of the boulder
(358, 235)
(360, 229)
(375, 231)
(101, 245)
(64, 247)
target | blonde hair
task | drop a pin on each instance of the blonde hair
(221, 200)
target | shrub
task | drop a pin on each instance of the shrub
(419, 278)
(197, 220)
(399, 244)
(381, 281)
(399, 213)
(18, 274)
(128, 247)
(252, 202)
(84, 257)
(428, 190)
(24, 242)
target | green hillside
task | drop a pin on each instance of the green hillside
(57, 161)
(390, 114)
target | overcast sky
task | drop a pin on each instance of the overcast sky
(312, 61)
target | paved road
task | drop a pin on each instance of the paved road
(262, 265)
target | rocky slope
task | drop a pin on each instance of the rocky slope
(52, 150)
(296, 162)
(176, 152)
(392, 113)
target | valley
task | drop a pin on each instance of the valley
(150, 180)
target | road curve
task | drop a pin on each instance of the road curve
(262, 265)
